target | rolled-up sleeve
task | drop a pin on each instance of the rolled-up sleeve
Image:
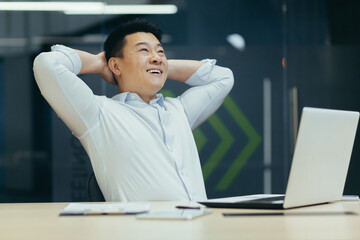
(210, 85)
(56, 76)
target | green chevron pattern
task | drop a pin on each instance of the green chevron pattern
(253, 142)
(226, 143)
(200, 139)
(219, 152)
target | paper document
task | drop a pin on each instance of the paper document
(104, 208)
(181, 214)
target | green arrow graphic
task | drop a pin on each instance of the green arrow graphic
(200, 139)
(226, 142)
(253, 142)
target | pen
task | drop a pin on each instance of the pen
(188, 207)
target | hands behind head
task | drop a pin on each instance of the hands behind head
(105, 72)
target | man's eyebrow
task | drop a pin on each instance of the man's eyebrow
(147, 44)
(141, 43)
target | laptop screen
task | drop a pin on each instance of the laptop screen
(321, 157)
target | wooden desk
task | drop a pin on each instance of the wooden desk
(42, 221)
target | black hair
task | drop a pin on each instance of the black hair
(115, 42)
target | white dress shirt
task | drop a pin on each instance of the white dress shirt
(139, 151)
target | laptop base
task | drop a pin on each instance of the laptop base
(250, 205)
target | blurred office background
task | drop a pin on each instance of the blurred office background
(285, 54)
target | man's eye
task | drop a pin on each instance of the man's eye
(144, 50)
(161, 51)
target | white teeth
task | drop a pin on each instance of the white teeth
(153, 71)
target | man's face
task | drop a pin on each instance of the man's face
(143, 67)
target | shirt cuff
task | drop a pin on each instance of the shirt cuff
(71, 54)
(201, 76)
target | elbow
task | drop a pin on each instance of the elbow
(228, 79)
(38, 67)
(40, 61)
(42, 68)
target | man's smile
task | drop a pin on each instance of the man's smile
(154, 71)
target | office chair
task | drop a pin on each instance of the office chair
(94, 192)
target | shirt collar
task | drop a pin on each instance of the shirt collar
(134, 99)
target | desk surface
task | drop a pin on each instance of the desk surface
(42, 221)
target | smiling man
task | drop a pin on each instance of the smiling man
(134, 72)
(140, 144)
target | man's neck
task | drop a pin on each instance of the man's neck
(145, 98)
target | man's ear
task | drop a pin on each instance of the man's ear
(114, 65)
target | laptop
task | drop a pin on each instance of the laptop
(319, 166)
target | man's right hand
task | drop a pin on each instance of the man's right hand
(95, 64)
(105, 72)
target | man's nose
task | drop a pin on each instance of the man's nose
(155, 58)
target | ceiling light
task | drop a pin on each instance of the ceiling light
(88, 8)
(237, 41)
(127, 9)
(50, 6)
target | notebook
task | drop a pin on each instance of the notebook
(319, 165)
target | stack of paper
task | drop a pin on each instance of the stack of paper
(104, 208)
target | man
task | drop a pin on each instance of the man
(140, 144)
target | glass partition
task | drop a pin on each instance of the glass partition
(284, 55)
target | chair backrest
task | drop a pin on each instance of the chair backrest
(94, 192)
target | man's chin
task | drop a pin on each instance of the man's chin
(159, 85)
